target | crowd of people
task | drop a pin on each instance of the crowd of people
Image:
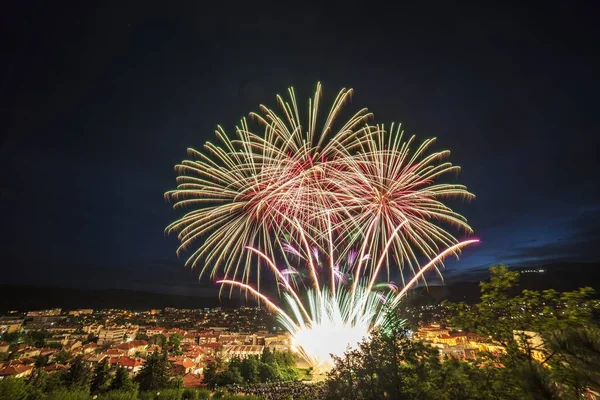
(292, 390)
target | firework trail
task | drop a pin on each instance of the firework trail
(333, 314)
(238, 194)
(358, 180)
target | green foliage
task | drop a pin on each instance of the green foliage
(37, 384)
(564, 365)
(390, 365)
(270, 366)
(122, 381)
(195, 394)
(500, 312)
(62, 357)
(175, 340)
(210, 373)
(119, 395)
(155, 374)
(249, 369)
(41, 361)
(55, 381)
(189, 394)
(78, 376)
(142, 336)
(13, 389)
(159, 340)
(68, 394)
(170, 394)
(101, 378)
(36, 338)
(11, 338)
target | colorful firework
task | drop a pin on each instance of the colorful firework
(239, 192)
(332, 314)
(359, 181)
(388, 182)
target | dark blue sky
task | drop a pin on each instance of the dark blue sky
(98, 104)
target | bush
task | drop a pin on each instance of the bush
(66, 394)
(13, 389)
(189, 394)
(119, 395)
(203, 394)
(168, 394)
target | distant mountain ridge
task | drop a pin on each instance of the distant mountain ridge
(562, 277)
(24, 298)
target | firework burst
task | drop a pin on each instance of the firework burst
(240, 193)
(359, 181)
(329, 314)
(284, 193)
(391, 181)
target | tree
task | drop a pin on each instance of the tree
(155, 374)
(36, 338)
(11, 338)
(13, 388)
(390, 365)
(142, 336)
(160, 340)
(39, 383)
(78, 376)
(249, 369)
(101, 378)
(68, 394)
(122, 381)
(210, 373)
(267, 356)
(564, 322)
(576, 359)
(62, 357)
(41, 361)
(266, 372)
(175, 340)
(228, 377)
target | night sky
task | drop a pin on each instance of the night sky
(98, 104)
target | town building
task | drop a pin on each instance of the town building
(111, 335)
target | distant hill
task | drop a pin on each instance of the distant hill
(25, 298)
(563, 277)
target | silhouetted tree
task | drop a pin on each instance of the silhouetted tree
(155, 373)
(101, 378)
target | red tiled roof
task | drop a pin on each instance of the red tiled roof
(192, 380)
(213, 345)
(183, 361)
(24, 361)
(14, 370)
(130, 362)
(55, 367)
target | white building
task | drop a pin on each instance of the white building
(111, 335)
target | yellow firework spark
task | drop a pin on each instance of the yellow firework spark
(360, 179)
